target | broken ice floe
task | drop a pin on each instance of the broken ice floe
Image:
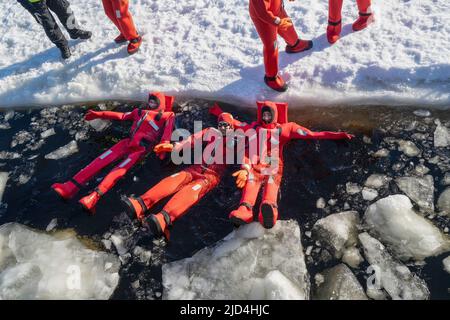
(35, 265)
(250, 263)
(446, 263)
(390, 275)
(377, 181)
(418, 189)
(407, 234)
(443, 203)
(64, 151)
(3, 181)
(441, 135)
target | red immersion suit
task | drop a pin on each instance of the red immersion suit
(268, 172)
(268, 15)
(149, 128)
(335, 17)
(187, 186)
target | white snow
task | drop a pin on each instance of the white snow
(64, 151)
(406, 233)
(250, 263)
(35, 265)
(210, 49)
(3, 180)
(389, 274)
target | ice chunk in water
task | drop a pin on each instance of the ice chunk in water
(251, 262)
(99, 125)
(407, 234)
(369, 194)
(340, 284)
(419, 189)
(3, 180)
(64, 151)
(389, 274)
(377, 181)
(441, 135)
(337, 231)
(422, 113)
(408, 148)
(48, 133)
(35, 265)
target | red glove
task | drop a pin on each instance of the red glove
(215, 110)
(91, 115)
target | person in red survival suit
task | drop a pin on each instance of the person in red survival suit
(270, 20)
(150, 126)
(187, 186)
(365, 18)
(265, 167)
(117, 11)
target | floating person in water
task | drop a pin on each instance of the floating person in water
(40, 10)
(270, 20)
(117, 11)
(264, 166)
(151, 126)
(365, 18)
(190, 185)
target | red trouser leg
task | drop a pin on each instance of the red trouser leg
(124, 19)
(334, 10)
(119, 171)
(268, 35)
(363, 5)
(268, 214)
(166, 187)
(189, 195)
(108, 157)
(289, 35)
(244, 213)
(111, 14)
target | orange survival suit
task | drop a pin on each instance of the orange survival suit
(270, 20)
(150, 126)
(117, 11)
(335, 18)
(265, 167)
(187, 186)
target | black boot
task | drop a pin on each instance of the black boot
(81, 34)
(65, 52)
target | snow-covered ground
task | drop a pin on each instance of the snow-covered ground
(210, 49)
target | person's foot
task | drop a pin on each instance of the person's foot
(334, 31)
(299, 46)
(241, 216)
(268, 215)
(65, 190)
(363, 21)
(159, 225)
(81, 34)
(134, 45)
(135, 207)
(276, 83)
(89, 202)
(120, 39)
(65, 52)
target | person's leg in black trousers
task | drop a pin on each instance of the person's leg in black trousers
(65, 14)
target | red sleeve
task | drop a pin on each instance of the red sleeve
(298, 132)
(262, 11)
(168, 127)
(112, 115)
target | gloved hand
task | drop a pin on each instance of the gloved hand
(241, 178)
(285, 23)
(163, 147)
(91, 115)
(347, 136)
(215, 110)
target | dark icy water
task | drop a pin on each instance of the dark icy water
(313, 170)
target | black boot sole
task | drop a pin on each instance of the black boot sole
(129, 208)
(154, 226)
(237, 222)
(267, 215)
(283, 89)
(311, 45)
